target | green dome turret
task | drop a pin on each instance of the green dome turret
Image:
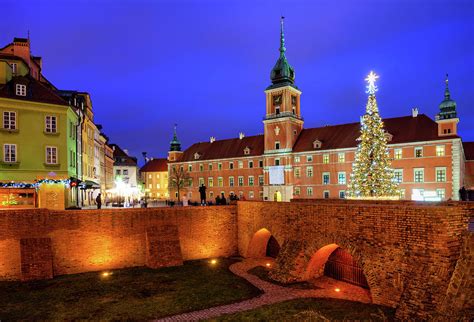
(447, 108)
(282, 73)
(175, 145)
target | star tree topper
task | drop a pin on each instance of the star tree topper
(371, 79)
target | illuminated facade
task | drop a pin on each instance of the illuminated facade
(154, 175)
(289, 161)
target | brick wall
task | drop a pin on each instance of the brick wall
(91, 240)
(408, 250)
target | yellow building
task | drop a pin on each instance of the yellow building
(154, 175)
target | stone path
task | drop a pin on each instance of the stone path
(273, 293)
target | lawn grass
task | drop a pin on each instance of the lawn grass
(262, 273)
(314, 310)
(135, 293)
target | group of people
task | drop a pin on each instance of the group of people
(220, 199)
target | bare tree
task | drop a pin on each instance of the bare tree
(178, 179)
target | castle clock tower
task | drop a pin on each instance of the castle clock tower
(282, 126)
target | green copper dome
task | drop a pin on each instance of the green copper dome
(447, 107)
(282, 73)
(175, 145)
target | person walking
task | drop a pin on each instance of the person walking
(98, 201)
(202, 193)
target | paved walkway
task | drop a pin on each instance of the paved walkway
(273, 293)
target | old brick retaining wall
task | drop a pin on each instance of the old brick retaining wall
(408, 251)
(90, 240)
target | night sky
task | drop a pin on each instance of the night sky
(205, 64)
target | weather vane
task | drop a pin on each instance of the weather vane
(371, 87)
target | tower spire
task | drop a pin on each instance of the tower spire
(282, 37)
(447, 94)
(175, 145)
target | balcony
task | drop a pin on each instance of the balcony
(282, 114)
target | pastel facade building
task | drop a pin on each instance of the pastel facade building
(289, 161)
(154, 175)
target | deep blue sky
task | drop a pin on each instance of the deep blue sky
(205, 64)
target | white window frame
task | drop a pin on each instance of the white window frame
(250, 164)
(343, 193)
(241, 164)
(201, 181)
(240, 181)
(210, 182)
(9, 122)
(297, 172)
(329, 178)
(326, 158)
(415, 170)
(398, 171)
(297, 159)
(20, 90)
(220, 181)
(418, 148)
(251, 195)
(9, 157)
(251, 181)
(440, 151)
(48, 124)
(309, 191)
(436, 173)
(328, 194)
(398, 154)
(341, 157)
(231, 181)
(297, 191)
(260, 180)
(339, 181)
(49, 154)
(441, 193)
(309, 158)
(309, 172)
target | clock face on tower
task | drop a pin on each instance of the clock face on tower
(277, 100)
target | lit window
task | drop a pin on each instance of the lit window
(201, 181)
(441, 193)
(210, 182)
(297, 172)
(157, 175)
(309, 158)
(149, 176)
(341, 157)
(418, 152)
(398, 175)
(241, 164)
(419, 175)
(9, 120)
(309, 171)
(231, 181)
(326, 158)
(397, 154)
(342, 194)
(341, 178)
(51, 124)
(51, 155)
(150, 186)
(9, 153)
(297, 191)
(297, 159)
(325, 177)
(158, 186)
(402, 193)
(309, 191)
(440, 150)
(241, 181)
(326, 194)
(220, 182)
(260, 180)
(250, 164)
(440, 174)
(251, 181)
(20, 90)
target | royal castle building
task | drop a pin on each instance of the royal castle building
(290, 161)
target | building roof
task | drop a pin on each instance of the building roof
(36, 91)
(468, 150)
(223, 149)
(121, 158)
(155, 165)
(403, 129)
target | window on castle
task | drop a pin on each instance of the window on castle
(260, 163)
(293, 104)
(241, 164)
(277, 145)
(210, 182)
(240, 181)
(418, 152)
(297, 159)
(309, 172)
(210, 166)
(342, 194)
(260, 180)
(190, 168)
(231, 181)
(231, 165)
(20, 90)
(277, 103)
(297, 172)
(220, 182)
(326, 194)
(277, 161)
(201, 181)
(325, 177)
(341, 178)
(309, 158)
(325, 158)
(397, 154)
(251, 181)
(441, 193)
(297, 191)
(201, 167)
(251, 194)
(440, 174)
(219, 166)
(250, 164)
(309, 191)
(440, 150)
(398, 175)
(341, 157)
(419, 175)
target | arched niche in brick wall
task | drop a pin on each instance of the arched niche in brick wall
(263, 244)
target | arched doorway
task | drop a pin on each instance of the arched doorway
(277, 196)
(263, 244)
(334, 262)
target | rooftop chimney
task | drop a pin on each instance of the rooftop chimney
(414, 112)
(212, 139)
(241, 135)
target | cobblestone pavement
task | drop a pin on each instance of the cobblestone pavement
(273, 293)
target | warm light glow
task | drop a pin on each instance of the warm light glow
(337, 290)
(268, 264)
(106, 274)
(371, 78)
(213, 261)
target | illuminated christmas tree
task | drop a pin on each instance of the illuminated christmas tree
(372, 176)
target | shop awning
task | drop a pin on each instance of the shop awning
(87, 184)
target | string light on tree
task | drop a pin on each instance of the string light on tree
(372, 175)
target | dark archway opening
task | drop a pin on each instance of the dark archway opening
(273, 248)
(342, 266)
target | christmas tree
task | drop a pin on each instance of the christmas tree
(372, 176)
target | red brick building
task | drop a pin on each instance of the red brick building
(289, 161)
